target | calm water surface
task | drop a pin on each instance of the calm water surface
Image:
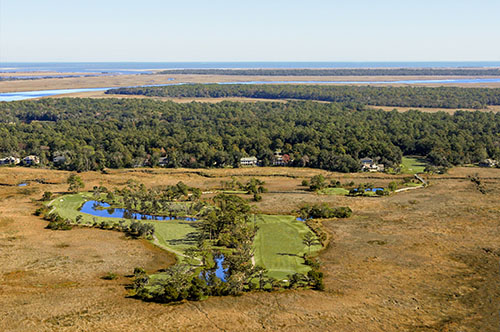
(102, 209)
(15, 96)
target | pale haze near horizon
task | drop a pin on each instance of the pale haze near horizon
(152, 30)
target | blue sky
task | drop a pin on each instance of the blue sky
(271, 30)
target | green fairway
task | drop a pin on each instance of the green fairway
(333, 191)
(412, 165)
(67, 207)
(177, 235)
(278, 245)
(174, 234)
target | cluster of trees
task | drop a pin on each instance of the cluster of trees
(96, 133)
(56, 222)
(225, 225)
(134, 229)
(324, 211)
(226, 222)
(226, 232)
(75, 183)
(253, 187)
(171, 200)
(366, 189)
(318, 182)
(405, 96)
(341, 72)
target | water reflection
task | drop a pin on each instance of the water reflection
(98, 209)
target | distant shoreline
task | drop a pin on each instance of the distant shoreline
(150, 67)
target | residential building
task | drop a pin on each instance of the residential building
(31, 160)
(279, 159)
(249, 161)
(59, 159)
(163, 161)
(10, 161)
(488, 163)
(368, 165)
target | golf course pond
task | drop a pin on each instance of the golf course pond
(102, 209)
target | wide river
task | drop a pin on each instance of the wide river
(14, 96)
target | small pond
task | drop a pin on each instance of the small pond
(102, 209)
(371, 189)
(220, 271)
(24, 184)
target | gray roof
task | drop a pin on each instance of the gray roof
(249, 159)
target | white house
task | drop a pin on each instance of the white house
(488, 163)
(368, 165)
(163, 161)
(249, 161)
(10, 161)
(31, 160)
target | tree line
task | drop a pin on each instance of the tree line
(341, 72)
(93, 134)
(404, 96)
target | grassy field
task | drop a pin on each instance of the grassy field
(412, 165)
(333, 191)
(278, 244)
(132, 80)
(421, 260)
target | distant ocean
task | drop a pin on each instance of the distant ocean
(147, 67)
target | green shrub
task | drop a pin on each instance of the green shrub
(109, 276)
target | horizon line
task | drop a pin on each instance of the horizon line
(261, 61)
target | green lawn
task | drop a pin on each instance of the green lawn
(67, 207)
(174, 234)
(278, 243)
(412, 165)
(333, 191)
(234, 192)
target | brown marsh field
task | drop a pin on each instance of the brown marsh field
(138, 79)
(422, 260)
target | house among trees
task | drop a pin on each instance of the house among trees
(10, 161)
(488, 163)
(368, 165)
(59, 160)
(163, 161)
(279, 159)
(249, 161)
(31, 160)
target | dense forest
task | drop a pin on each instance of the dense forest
(443, 97)
(342, 72)
(96, 133)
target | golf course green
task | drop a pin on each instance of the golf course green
(278, 245)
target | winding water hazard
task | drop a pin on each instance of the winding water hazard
(102, 209)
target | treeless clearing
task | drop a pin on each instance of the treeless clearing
(495, 109)
(138, 79)
(43, 73)
(422, 260)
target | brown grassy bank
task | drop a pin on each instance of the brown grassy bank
(423, 260)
